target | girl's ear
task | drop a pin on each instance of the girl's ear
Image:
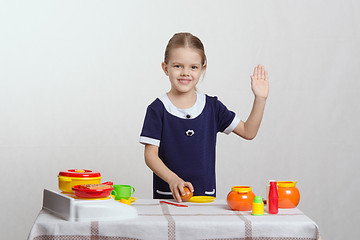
(203, 68)
(165, 68)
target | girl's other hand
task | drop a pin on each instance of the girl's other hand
(259, 82)
(177, 188)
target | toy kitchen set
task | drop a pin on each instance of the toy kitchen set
(84, 198)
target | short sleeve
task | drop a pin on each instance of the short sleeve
(226, 119)
(152, 127)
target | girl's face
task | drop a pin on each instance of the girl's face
(184, 69)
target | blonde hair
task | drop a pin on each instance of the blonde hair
(185, 39)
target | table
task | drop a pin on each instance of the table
(157, 220)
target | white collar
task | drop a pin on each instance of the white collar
(188, 113)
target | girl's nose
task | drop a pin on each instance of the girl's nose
(185, 72)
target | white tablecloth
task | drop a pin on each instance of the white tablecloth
(198, 221)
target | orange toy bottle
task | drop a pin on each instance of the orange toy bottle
(289, 195)
(240, 198)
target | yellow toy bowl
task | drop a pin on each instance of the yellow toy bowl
(73, 177)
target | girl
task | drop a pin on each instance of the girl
(180, 127)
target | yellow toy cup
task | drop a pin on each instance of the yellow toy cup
(122, 191)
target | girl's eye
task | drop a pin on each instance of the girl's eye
(194, 67)
(176, 66)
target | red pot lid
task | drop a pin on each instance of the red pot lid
(79, 173)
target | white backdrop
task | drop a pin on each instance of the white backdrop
(76, 78)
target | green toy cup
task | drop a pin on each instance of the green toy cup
(122, 191)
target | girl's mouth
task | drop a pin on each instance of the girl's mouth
(184, 81)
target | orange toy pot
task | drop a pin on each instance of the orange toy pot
(289, 195)
(240, 198)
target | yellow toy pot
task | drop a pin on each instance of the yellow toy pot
(72, 177)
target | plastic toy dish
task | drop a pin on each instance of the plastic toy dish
(93, 193)
(125, 201)
(202, 199)
(131, 199)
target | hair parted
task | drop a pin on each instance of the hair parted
(185, 39)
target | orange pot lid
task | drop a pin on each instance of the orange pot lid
(79, 173)
(241, 189)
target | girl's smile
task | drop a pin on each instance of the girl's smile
(184, 81)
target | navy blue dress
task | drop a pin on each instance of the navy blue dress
(187, 140)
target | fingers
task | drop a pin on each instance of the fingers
(178, 190)
(255, 71)
(266, 75)
(176, 194)
(189, 185)
(259, 73)
(258, 76)
(181, 190)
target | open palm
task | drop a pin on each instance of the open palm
(259, 82)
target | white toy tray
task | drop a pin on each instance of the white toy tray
(72, 209)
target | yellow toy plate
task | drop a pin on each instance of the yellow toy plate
(202, 199)
(132, 199)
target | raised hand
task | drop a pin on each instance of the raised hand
(259, 82)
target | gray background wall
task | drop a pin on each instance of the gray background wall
(77, 76)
